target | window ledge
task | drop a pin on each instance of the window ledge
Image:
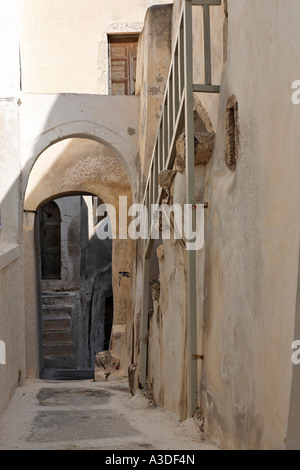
(9, 252)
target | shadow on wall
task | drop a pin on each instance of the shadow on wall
(75, 274)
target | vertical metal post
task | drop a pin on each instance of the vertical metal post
(144, 323)
(148, 206)
(160, 149)
(181, 60)
(175, 86)
(156, 172)
(170, 110)
(165, 135)
(207, 44)
(190, 199)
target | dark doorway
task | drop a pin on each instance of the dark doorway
(50, 240)
(108, 321)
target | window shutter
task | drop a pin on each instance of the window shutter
(123, 56)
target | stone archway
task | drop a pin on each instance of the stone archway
(75, 166)
(108, 120)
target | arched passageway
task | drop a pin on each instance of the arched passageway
(86, 170)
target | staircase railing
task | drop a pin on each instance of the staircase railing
(177, 112)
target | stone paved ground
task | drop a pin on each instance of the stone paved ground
(48, 414)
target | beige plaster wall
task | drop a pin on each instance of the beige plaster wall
(247, 272)
(153, 65)
(11, 280)
(9, 48)
(252, 234)
(13, 372)
(64, 44)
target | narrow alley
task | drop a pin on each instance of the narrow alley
(88, 415)
(149, 226)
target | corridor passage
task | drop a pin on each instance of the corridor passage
(88, 415)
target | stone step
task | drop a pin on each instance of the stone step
(58, 349)
(56, 324)
(59, 362)
(64, 349)
(56, 311)
(58, 298)
(57, 337)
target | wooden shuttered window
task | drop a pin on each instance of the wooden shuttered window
(122, 61)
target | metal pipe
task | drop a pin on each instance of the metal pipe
(190, 199)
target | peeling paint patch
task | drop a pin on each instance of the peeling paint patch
(131, 131)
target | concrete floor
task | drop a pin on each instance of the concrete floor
(68, 414)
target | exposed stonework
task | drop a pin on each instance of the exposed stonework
(165, 179)
(107, 361)
(203, 144)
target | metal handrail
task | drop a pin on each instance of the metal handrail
(177, 111)
(173, 114)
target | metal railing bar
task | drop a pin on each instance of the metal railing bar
(170, 110)
(165, 135)
(181, 61)
(160, 155)
(206, 88)
(206, 2)
(207, 44)
(177, 130)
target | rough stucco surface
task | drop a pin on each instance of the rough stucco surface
(154, 59)
(247, 271)
(167, 372)
(77, 165)
(252, 236)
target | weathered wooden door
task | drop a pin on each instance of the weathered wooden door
(50, 241)
(123, 56)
